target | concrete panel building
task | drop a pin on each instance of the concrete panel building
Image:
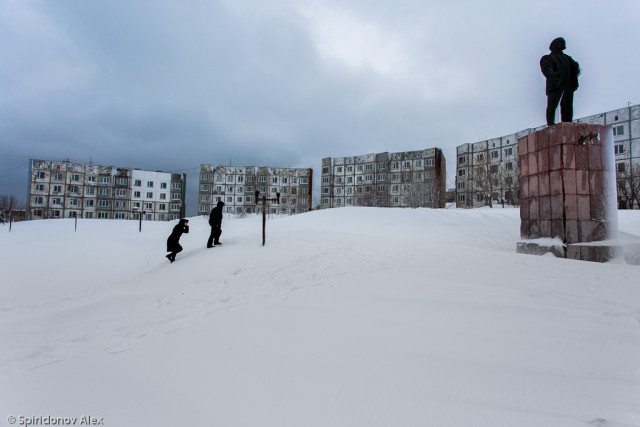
(63, 189)
(236, 187)
(403, 179)
(487, 171)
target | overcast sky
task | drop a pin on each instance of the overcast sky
(169, 85)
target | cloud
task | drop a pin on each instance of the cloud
(170, 85)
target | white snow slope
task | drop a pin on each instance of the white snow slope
(346, 317)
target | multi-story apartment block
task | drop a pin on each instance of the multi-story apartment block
(487, 171)
(403, 179)
(236, 187)
(62, 189)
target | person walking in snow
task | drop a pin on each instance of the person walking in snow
(215, 221)
(173, 242)
(561, 72)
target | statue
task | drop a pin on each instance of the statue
(561, 72)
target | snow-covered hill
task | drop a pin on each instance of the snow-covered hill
(347, 317)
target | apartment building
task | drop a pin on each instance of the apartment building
(64, 189)
(402, 179)
(487, 171)
(236, 186)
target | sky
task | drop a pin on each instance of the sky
(165, 85)
(351, 317)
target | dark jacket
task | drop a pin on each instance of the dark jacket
(178, 230)
(215, 218)
(560, 70)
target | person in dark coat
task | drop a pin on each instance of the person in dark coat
(561, 72)
(173, 242)
(215, 221)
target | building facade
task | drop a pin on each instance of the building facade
(487, 171)
(236, 186)
(63, 189)
(403, 179)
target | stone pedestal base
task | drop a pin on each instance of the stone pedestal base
(630, 253)
(567, 190)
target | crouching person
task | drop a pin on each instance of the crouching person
(173, 242)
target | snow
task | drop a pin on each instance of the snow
(346, 317)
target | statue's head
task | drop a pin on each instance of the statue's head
(558, 44)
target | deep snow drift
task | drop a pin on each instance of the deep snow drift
(347, 317)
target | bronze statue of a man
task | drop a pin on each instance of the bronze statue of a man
(561, 72)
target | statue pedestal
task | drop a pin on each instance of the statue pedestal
(568, 190)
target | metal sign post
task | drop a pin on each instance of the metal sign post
(264, 212)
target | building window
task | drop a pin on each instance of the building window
(73, 202)
(104, 191)
(163, 185)
(176, 185)
(163, 196)
(325, 170)
(262, 178)
(120, 204)
(480, 157)
(462, 197)
(509, 166)
(121, 192)
(57, 189)
(40, 175)
(429, 162)
(461, 185)
(121, 181)
(137, 194)
(418, 163)
(618, 130)
(105, 180)
(57, 176)
(204, 176)
(462, 172)
(149, 195)
(508, 151)
(148, 206)
(89, 203)
(103, 203)
(149, 184)
(619, 149)
(138, 183)
(620, 167)
(162, 207)
(90, 191)
(38, 200)
(494, 154)
(39, 187)
(119, 215)
(462, 160)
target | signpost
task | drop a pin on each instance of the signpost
(264, 211)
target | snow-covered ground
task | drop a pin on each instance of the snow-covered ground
(346, 317)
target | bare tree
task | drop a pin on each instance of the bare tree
(422, 195)
(372, 197)
(8, 203)
(509, 180)
(628, 186)
(486, 182)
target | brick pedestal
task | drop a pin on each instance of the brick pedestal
(567, 188)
